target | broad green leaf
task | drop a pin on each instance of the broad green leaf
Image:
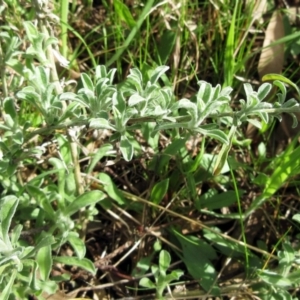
(217, 201)
(135, 99)
(146, 282)
(136, 76)
(70, 185)
(86, 199)
(227, 247)
(164, 261)
(44, 261)
(166, 45)
(101, 123)
(205, 92)
(197, 256)
(9, 108)
(119, 103)
(84, 263)
(152, 139)
(47, 207)
(294, 277)
(275, 279)
(15, 234)
(87, 82)
(191, 109)
(158, 72)
(8, 206)
(126, 148)
(263, 91)
(77, 244)
(49, 287)
(256, 123)
(159, 191)
(111, 189)
(296, 218)
(142, 266)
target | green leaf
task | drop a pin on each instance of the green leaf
(142, 16)
(84, 263)
(217, 201)
(273, 77)
(164, 261)
(119, 103)
(213, 133)
(15, 234)
(44, 261)
(101, 123)
(46, 241)
(222, 156)
(229, 61)
(146, 282)
(49, 287)
(77, 244)
(227, 247)
(275, 279)
(86, 199)
(296, 218)
(166, 45)
(111, 189)
(104, 150)
(87, 82)
(126, 148)
(159, 191)
(142, 266)
(161, 161)
(9, 108)
(285, 167)
(124, 13)
(158, 72)
(135, 99)
(8, 206)
(282, 96)
(191, 109)
(263, 91)
(197, 256)
(8, 287)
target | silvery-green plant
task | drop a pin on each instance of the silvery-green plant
(100, 104)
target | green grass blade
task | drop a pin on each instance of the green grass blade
(286, 167)
(229, 61)
(133, 32)
(64, 12)
(273, 77)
